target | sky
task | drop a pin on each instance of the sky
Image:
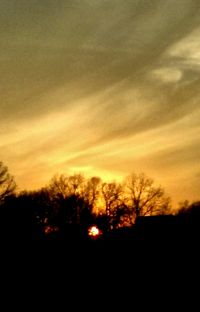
(102, 87)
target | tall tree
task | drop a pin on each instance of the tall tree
(7, 183)
(63, 186)
(92, 191)
(143, 198)
(67, 194)
(111, 195)
(112, 198)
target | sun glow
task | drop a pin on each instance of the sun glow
(93, 231)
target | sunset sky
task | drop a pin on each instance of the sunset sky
(103, 87)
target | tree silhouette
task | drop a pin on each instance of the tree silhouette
(58, 187)
(63, 186)
(69, 201)
(112, 199)
(7, 183)
(92, 191)
(143, 198)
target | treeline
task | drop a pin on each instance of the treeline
(69, 205)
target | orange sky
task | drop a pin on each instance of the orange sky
(101, 87)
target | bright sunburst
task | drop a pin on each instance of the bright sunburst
(93, 231)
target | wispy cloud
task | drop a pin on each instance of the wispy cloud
(168, 75)
(104, 87)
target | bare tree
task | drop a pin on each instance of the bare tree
(67, 194)
(58, 187)
(7, 183)
(63, 186)
(112, 196)
(92, 191)
(143, 198)
(76, 184)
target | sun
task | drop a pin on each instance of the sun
(93, 231)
